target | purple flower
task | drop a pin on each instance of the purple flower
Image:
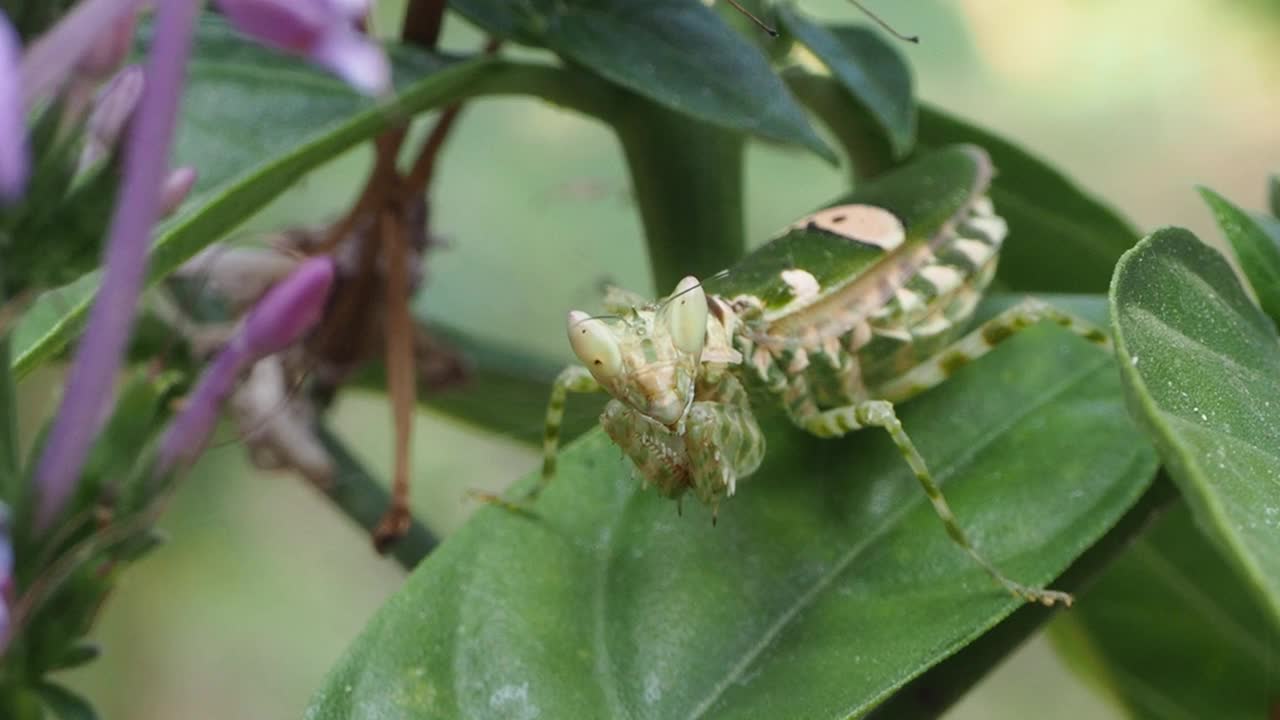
(89, 387)
(176, 189)
(14, 159)
(109, 50)
(284, 314)
(51, 60)
(323, 31)
(111, 112)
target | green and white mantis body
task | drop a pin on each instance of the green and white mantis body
(846, 312)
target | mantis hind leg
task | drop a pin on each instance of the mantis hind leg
(880, 413)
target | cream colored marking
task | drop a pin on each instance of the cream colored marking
(909, 301)
(897, 333)
(863, 223)
(983, 206)
(944, 277)
(799, 361)
(802, 283)
(994, 227)
(932, 326)
(860, 336)
(761, 359)
(976, 251)
(831, 348)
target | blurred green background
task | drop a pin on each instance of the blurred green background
(263, 585)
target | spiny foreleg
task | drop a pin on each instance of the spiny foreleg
(880, 413)
(984, 339)
(723, 441)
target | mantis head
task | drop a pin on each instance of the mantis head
(649, 357)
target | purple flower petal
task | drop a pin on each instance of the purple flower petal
(323, 31)
(105, 54)
(176, 189)
(51, 59)
(111, 112)
(287, 312)
(289, 309)
(190, 430)
(89, 386)
(14, 157)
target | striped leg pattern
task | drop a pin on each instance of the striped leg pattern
(880, 413)
(572, 379)
(984, 339)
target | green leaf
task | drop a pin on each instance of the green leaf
(679, 54)
(10, 458)
(870, 69)
(1061, 239)
(65, 704)
(506, 391)
(1171, 631)
(253, 122)
(827, 584)
(1257, 249)
(1273, 195)
(1200, 364)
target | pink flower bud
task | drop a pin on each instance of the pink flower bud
(176, 189)
(289, 309)
(14, 158)
(107, 51)
(110, 114)
(323, 31)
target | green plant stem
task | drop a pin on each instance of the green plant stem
(687, 177)
(360, 497)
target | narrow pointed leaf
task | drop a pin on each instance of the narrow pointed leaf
(677, 53)
(1257, 247)
(873, 72)
(827, 584)
(1200, 364)
(1172, 631)
(1273, 195)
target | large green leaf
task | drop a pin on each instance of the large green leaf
(677, 53)
(870, 69)
(1257, 248)
(1061, 239)
(827, 584)
(1172, 631)
(1200, 363)
(252, 122)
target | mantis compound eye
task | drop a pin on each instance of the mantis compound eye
(595, 345)
(688, 316)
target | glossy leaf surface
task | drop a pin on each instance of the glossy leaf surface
(828, 572)
(679, 54)
(1200, 363)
